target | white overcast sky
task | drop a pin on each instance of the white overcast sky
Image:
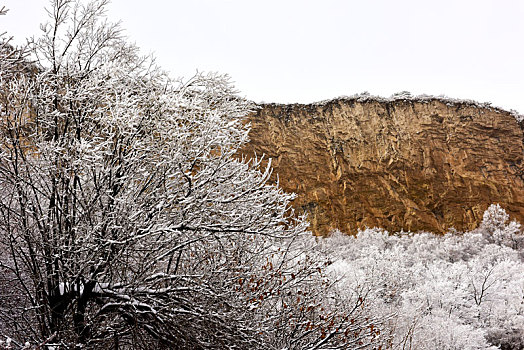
(306, 51)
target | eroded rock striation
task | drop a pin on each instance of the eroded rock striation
(401, 163)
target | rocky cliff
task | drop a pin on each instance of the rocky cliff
(406, 163)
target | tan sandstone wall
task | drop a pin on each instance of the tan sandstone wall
(398, 164)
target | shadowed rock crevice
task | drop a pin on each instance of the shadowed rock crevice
(400, 163)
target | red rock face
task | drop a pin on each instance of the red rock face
(398, 164)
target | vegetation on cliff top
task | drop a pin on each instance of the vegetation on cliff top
(406, 96)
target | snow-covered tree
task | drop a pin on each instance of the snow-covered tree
(128, 219)
(457, 291)
(496, 229)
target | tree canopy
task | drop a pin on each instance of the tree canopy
(128, 217)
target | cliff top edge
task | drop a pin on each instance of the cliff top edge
(404, 96)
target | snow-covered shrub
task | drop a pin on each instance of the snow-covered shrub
(457, 291)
